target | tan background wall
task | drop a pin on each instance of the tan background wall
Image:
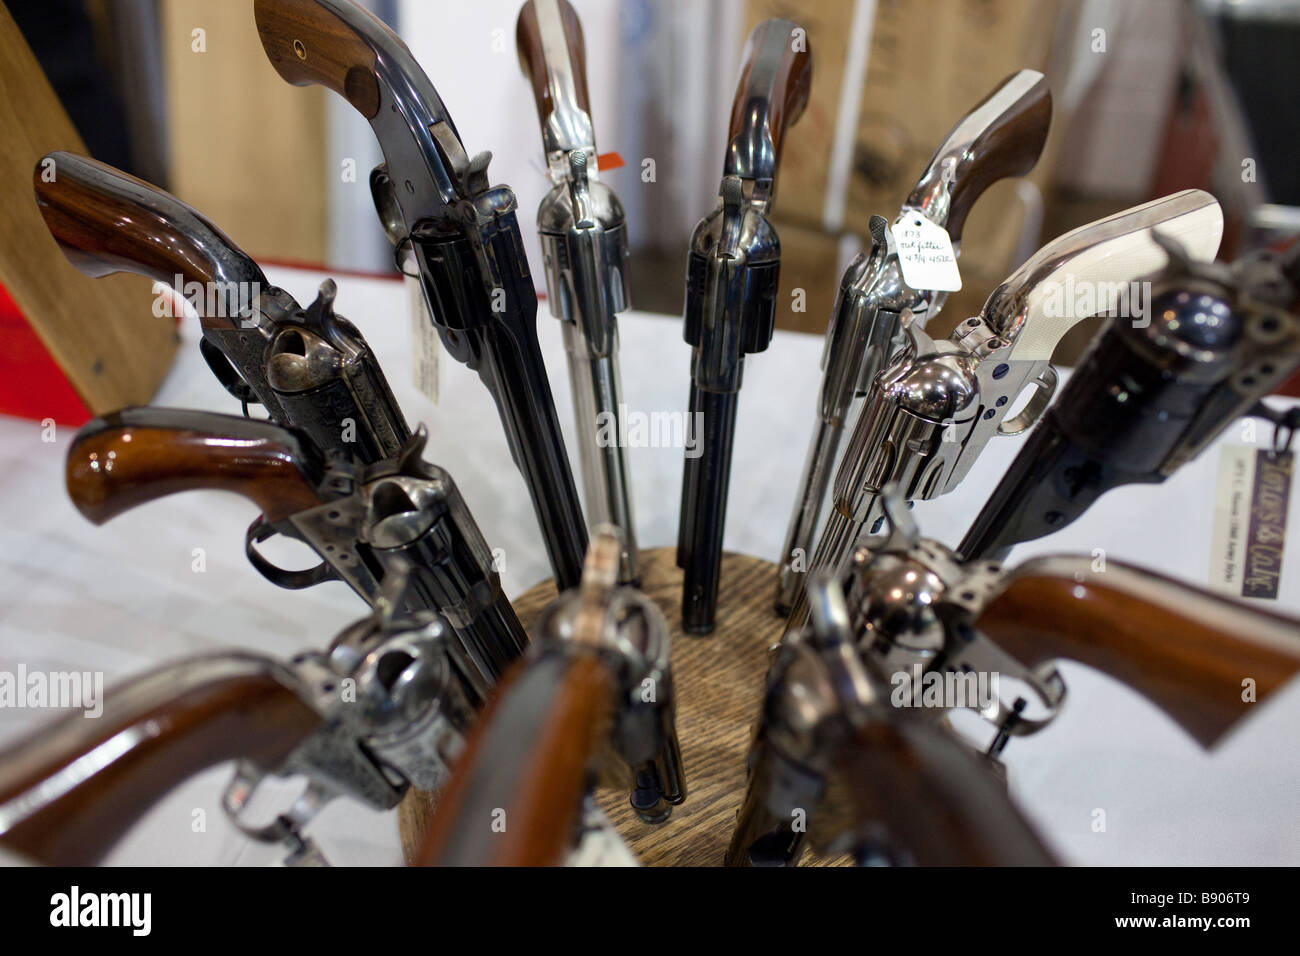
(246, 148)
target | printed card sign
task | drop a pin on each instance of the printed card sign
(925, 254)
(426, 349)
(1250, 514)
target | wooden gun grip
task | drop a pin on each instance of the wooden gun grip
(1187, 650)
(140, 454)
(532, 58)
(775, 81)
(530, 757)
(106, 221)
(938, 803)
(68, 793)
(1009, 127)
(324, 42)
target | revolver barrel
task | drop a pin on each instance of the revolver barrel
(731, 286)
(584, 247)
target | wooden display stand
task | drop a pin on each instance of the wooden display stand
(101, 334)
(719, 690)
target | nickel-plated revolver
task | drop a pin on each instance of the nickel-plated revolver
(837, 764)
(922, 634)
(584, 249)
(932, 411)
(1002, 136)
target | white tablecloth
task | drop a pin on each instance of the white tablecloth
(123, 597)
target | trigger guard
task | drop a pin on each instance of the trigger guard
(286, 827)
(260, 531)
(1049, 687)
(1044, 388)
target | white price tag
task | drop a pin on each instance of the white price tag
(426, 348)
(925, 253)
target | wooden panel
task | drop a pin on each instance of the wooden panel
(102, 332)
(719, 689)
(247, 149)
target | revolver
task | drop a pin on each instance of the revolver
(584, 252)
(836, 765)
(381, 711)
(309, 368)
(594, 698)
(364, 523)
(1147, 398)
(731, 287)
(438, 206)
(932, 411)
(1002, 136)
(932, 634)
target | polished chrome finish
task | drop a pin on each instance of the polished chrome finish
(585, 253)
(584, 248)
(1019, 326)
(910, 599)
(568, 127)
(930, 414)
(865, 327)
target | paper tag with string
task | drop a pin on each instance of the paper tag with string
(925, 253)
(426, 348)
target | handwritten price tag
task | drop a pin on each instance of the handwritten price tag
(925, 253)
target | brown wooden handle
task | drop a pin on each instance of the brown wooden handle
(324, 42)
(775, 80)
(937, 802)
(106, 221)
(515, 795)
(532, 59)
(1193, 654)
(140, 454)
(1002, 136)
(69, 792)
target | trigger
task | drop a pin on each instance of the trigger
(1044, 388)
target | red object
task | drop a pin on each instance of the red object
(31, 383)
(608, 161)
